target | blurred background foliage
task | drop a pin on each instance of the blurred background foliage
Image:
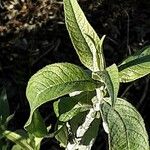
(33, 34)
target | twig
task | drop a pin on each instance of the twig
(82, 129)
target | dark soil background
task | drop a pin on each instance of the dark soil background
(33, 34)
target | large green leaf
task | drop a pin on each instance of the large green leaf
(110, 77)
(83, 36)
(68, 107)
(135, 66)
(125, 125)
(54, 81)
(4, 107)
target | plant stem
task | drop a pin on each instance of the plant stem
(80, 133)
(82, 129)
(85, 126)
(99, 95)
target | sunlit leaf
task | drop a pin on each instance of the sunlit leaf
(83, 36)
(136, 66)
(126, 129)
(54, 81)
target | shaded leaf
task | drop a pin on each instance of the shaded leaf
(83, 36)
(136, 66)
(126, 126)
(68, 107)
(91, 134)
(62, 135)
(37, 126)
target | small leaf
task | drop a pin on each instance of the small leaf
(83, 36)
(4, 107)
(68, 107)
(62, 135)
(111, 78)
(126, 127)
(37, 126)
(136, 66)
(54, 81)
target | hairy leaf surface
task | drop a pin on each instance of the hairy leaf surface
(126, 126)
(135, 66)
(54, 81)
(83, 36)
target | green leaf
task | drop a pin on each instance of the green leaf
(68, 107)
(17, 138)
(16, 147)
(37, 126)
(54, 81)
(125, 125)
(37, 143)
(91, 134)
(136, 66)
(83, 36)
(62, 135)
(110, 77)
(4, 107)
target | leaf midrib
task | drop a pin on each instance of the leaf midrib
(64, 84)
(79, 29)
(36, 98)
(126, 134)
(128, 143)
